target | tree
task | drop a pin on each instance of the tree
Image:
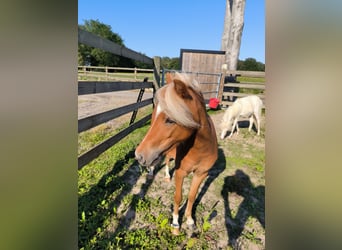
(250, 64)
(170, 63)
(232, 31)
(254, 65)
(97, 57)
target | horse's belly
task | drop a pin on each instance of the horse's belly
(246, 114)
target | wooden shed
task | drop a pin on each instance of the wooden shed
(206, 66)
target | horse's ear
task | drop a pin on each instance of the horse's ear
(169, 77)
(181, 89)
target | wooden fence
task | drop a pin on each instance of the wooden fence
(257, 86)
(217, 86)
(94, 87)
(110, 82)
(106, 73)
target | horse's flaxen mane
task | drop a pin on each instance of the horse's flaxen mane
(174, 106)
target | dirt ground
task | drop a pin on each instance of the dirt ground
(93, 104)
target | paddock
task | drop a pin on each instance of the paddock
(119, 207)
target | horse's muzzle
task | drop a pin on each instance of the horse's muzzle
(140, 158)
(148, 160)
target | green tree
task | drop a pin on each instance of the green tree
(97, 57)
(142, 65)
(250, 64)
(170, 63)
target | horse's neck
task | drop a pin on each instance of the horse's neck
(206, 134)
(235, 110)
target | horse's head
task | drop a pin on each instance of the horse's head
(225, 127)
(227, 121)
(175, 118)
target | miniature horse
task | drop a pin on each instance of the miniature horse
(245, 107)
(170, 155)
(181, 125)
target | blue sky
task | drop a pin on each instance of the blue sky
(162, 28)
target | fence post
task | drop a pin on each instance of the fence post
(106, 73)
(220, 92)
(85, 71)
(156, 72)
(134, 114)
(135, 73)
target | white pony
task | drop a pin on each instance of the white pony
(245, 107)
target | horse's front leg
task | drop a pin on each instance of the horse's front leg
(195, 183)
(233, 127)
(150, 172)
(179, 177)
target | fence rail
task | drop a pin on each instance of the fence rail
(113, 73)
(85, 88)
(99, 149)
(93, 40)
(97, 119)
(95, 87)
(257, 87)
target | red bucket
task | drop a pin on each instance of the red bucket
(213, 103)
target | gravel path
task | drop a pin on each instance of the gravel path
(97, 103)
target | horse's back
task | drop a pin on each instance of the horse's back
(249, 105)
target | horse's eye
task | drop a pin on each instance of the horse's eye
(169, 121)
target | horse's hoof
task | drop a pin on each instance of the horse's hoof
(175, 230)
(191, 227)
(167, 179)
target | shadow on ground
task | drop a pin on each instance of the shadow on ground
(252, 205)
(91, 203)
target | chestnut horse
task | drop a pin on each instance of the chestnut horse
(170, 155)
(181, 127)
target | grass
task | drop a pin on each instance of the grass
(96, 76)
(119, 208)
(251, 79)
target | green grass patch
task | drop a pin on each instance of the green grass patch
(100, 184)
(251, 79)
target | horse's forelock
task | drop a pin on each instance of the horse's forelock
(174, 106)
(188, 80)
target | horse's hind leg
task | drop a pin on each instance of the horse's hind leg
(195, 183)
(167, 170)
(237, 127)
(251, 120)
(257, 115)
(257, 118)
